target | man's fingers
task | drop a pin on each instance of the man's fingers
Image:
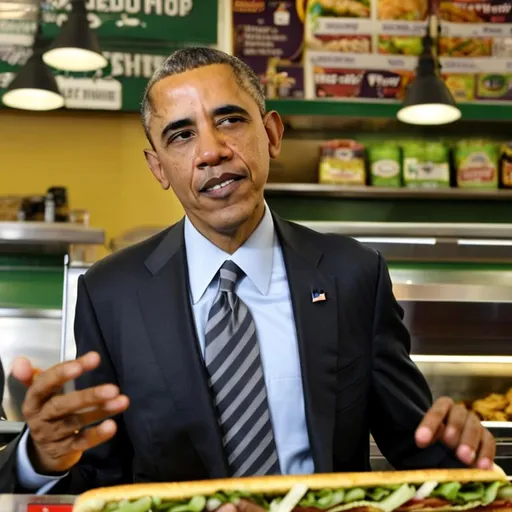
(52, 380)
(110, 408)
(67, 427)
(60, 406)
(455, 425)
(94, 436)
(487, 451)
(433, 421)
(23, 371)
(469, 439)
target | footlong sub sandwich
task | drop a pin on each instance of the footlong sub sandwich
(395, 491)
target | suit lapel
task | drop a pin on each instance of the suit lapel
(165, 305)
(317, 332)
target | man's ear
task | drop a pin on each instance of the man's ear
(274, 128)
(156, 168)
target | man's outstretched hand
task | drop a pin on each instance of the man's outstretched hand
(460, 430)
(60, 423)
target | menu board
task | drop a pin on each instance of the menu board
(362, 48)
(368, 49)
(268, 35)
(476, 49)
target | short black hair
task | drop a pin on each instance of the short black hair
(187, 59)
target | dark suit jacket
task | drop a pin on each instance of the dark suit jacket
(134, 309)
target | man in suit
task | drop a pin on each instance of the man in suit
(234, 343)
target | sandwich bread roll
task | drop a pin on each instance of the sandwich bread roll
(390, 491)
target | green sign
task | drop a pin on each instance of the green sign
(178, 21)
(119, 86)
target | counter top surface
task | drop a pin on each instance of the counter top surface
(49, 232)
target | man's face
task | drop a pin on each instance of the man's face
(212, 146)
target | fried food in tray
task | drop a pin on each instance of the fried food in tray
(344, 44)
(408, 10)
(465, 47)
(494, 407)
(450, 11)
(341, 8)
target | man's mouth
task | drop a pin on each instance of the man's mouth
(214, 185)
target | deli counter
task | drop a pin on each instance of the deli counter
(454, 283)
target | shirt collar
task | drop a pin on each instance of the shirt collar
(254, 257)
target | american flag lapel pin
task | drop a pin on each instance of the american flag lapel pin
(318, 296)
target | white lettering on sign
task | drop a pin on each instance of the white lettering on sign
(341, 79)
(396, 63)
(333, 59)
(458, 64)
(15, 55)
(486, 8)
(343, 26)
(350, 79)
(136, 65)
(326, 79)
(378, 80)
(412, 28)
(6, 79)
(94, 94)
(476, 29)
(172, 8)
(18, 27)
(17, 32)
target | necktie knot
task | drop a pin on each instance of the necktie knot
(230, 273)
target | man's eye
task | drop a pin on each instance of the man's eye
(181, 136)
(231, 120)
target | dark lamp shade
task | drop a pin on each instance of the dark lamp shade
(34, 88)
(76, 48)
(428, 102)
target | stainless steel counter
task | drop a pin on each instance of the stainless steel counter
(58, 232)
(47, 236)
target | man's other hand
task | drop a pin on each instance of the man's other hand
(59, 424)
(460, 430)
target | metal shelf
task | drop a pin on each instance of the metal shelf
(369, 109)
(415, 230)
(318, 190)
(29, 233)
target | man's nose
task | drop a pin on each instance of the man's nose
(212, 149)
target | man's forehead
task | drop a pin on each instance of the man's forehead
(206, 86)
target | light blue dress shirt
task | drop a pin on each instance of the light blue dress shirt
(265, 291)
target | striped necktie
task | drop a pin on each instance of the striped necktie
(233, 362)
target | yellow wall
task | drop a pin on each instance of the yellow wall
(97, 156)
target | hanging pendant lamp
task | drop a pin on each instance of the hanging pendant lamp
(428, 101)
(34, 87)
(77, 47)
